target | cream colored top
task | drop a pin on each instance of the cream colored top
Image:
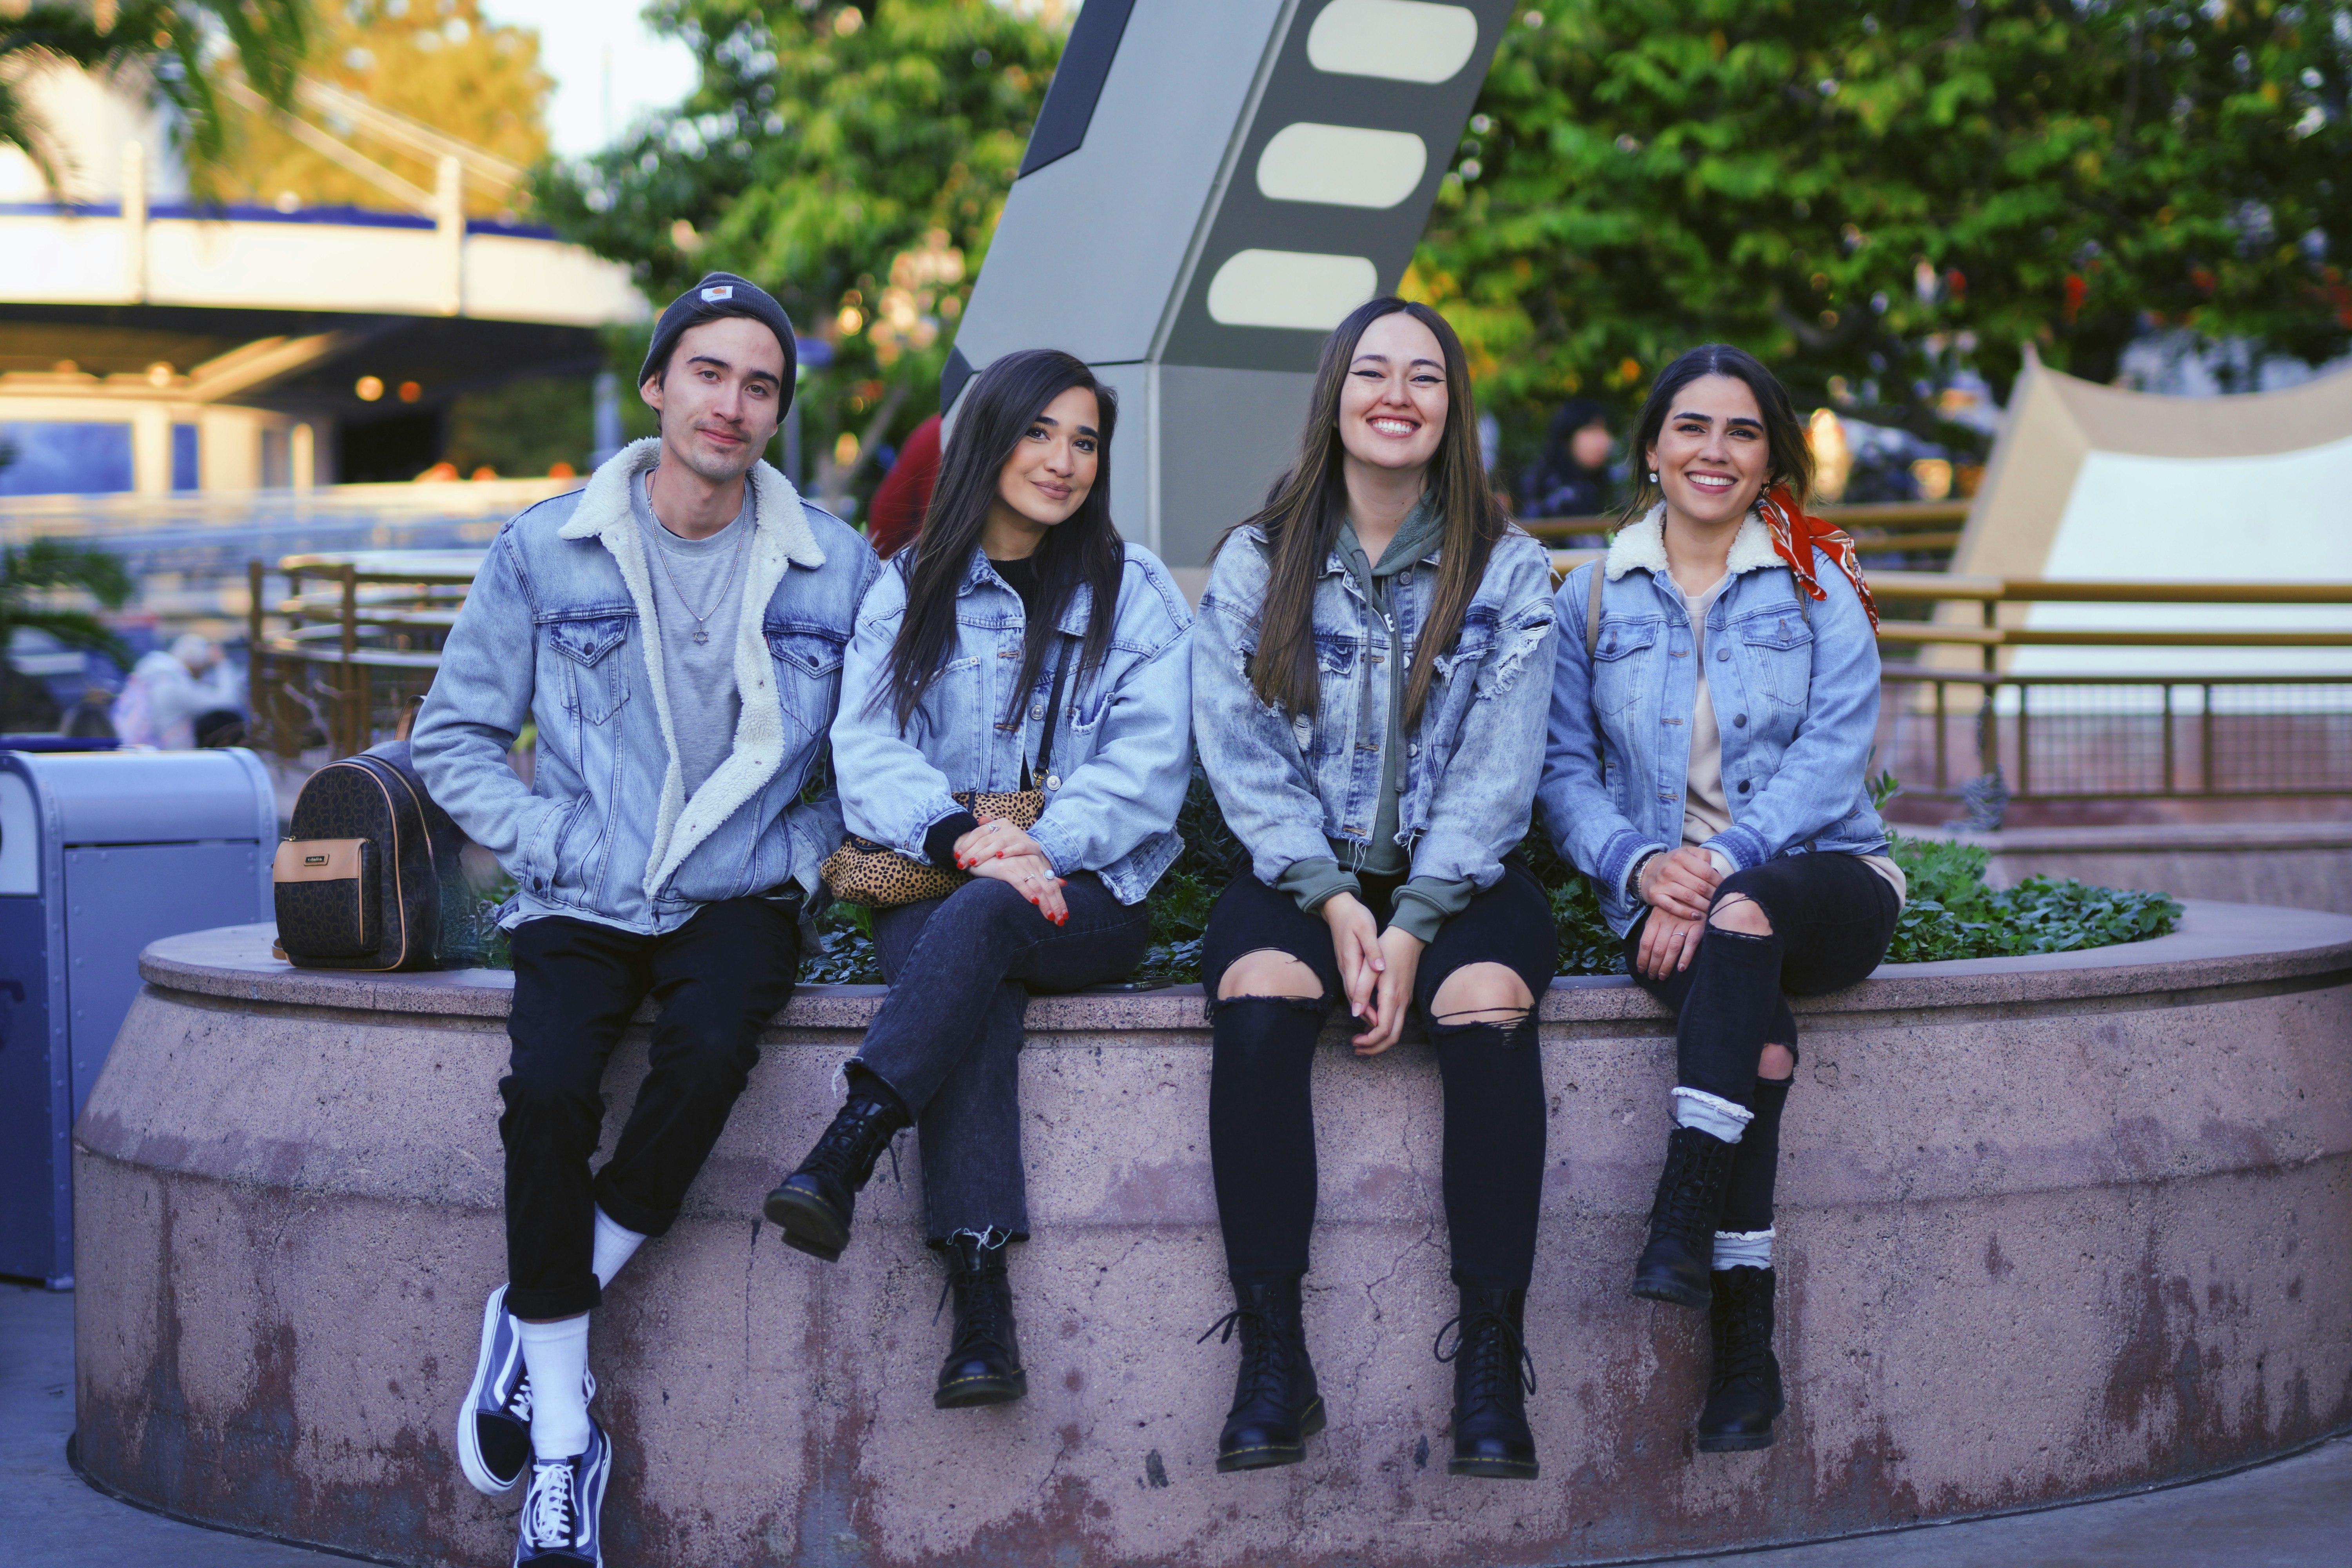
(1707, 809)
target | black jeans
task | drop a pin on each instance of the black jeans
(1260, 1111)
(947, 1038)
(718, 979)
(1831, 918)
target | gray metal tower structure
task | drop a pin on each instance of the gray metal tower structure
(1211, 187)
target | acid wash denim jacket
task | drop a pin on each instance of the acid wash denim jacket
(1293, 786)
(1795, 690)
(559, 631)
(1122, 752)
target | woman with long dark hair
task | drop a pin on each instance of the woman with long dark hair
(1019, 644)
(1368, 675)
(1712, 710)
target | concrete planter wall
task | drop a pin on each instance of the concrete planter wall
(2049, 1228)
(2301, 865)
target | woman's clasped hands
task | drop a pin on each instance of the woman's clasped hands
(998, 849)
(1679, 886)
(1376, 966)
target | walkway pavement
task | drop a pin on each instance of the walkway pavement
(2296, 1513)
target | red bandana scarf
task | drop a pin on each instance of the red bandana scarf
(1795, 536)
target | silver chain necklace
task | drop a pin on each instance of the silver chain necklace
(701, 633)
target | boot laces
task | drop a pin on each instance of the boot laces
(1687, 1197)
(979, 1310)
(1743, 1347)
(547, 1514)
(1266, 1358)
(1496, 1352)
(848, 1146)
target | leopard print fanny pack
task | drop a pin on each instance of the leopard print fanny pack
(864, 872)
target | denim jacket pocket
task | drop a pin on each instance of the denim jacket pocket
(808, 658)
(600, 682)
(1781, 656)
(1619, 678)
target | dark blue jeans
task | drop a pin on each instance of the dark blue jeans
(948, 1039)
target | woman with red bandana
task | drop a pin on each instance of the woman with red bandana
(1713, 708)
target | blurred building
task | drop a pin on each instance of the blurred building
(149, 345)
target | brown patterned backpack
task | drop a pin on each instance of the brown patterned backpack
(370, 877)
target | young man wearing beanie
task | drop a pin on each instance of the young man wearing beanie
(674, 630)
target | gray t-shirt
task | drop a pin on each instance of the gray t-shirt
(698, 578)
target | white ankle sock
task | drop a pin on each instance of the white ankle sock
(615, 1245)
(556, 1355)
(1743, 1249)
(1711, 1114)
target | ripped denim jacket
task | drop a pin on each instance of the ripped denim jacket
(1292, 785)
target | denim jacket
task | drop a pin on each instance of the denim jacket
(1122, 752)
(1795, 691)
(559, 631)
(1293, 785)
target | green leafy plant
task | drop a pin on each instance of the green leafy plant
(31, 576)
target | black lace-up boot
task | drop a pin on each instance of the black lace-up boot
(1493, 1375)
(1276, 1404)
(983, 1364)
(1676, 1264)
(1743, 1390)
(813, 1204)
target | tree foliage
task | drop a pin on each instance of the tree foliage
(1876, 190)
(853, 159)
(165, 46)
(439, 62)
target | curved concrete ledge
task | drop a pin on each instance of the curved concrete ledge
(2049, 1228)
(2302, 865)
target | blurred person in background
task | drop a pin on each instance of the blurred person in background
(905, 493)
(1571, 478)
(180, 698)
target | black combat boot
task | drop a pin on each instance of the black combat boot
(1276, 1406)
(983, 1364)
(1493, 1375)
(1743, 1390)
(813, 1204)
(1676, 1264)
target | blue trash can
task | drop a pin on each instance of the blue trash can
(100, 854)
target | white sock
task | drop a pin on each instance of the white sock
(556, 1355)
(615, 1244)
(1743, 1249)
(1711, 1114)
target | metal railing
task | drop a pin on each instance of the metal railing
(361, 638)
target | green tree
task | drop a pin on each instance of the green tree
(32, 579)
(852, 158)
(1875, 190)
(163, 45)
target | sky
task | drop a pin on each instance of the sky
(609, 67)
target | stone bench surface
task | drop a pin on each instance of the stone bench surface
(2049, 1226)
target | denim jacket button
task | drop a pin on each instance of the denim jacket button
(1721, 654)
(1037, 710)
(1740, 723)
(1743, 786)
(1053, 781)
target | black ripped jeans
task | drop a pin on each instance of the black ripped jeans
(1260, 1111)
(1832, 917)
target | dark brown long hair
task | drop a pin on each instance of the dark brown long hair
(1302, 517)
(999, 407)
(1791, 454)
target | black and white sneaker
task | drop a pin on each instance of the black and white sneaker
(494, 1424)
(560, 1513)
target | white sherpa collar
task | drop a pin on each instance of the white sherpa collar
(1642, 546)
(780, 539)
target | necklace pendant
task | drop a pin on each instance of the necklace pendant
(700, 635)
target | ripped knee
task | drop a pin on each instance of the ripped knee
(1481, 994)
(1269, 971)
(1738, 912)
(1775, 1063)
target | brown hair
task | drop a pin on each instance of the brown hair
(1784, 434)
(1303, 513)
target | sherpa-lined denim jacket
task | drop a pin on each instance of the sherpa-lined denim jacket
(559, 631)
(1293, 785)
(1795, 690)
(1122, 754)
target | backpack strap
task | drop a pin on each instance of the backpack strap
(1592, 607)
